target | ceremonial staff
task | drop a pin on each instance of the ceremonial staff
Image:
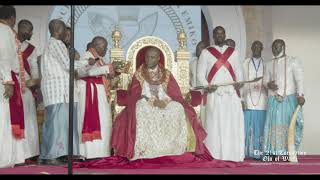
(291, 133)
(226, 84)
(71, 93)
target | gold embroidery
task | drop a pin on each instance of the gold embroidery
(166, 80)
(191, 139)
(139, 74)
(139, 77)
(278, 136)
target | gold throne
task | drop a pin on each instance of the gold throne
(177, 63)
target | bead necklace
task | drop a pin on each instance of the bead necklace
(278, 96)
(260, 91)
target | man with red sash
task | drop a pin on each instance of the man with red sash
(157, 128)
(224, 117)
(29, 56)
(12, 124)
(94, 115)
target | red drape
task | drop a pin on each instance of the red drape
(25, 54)
(124, 129)
(124, 133)
(91, 123)
(16, 110)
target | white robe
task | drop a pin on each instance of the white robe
(100, 147)
(193, 72)
(294, 84)
(159, 132)
(29, 108)
(11, 149)
(224, 116)
(254, 94)
(194, 83)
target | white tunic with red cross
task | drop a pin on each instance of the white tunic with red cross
(224, 116)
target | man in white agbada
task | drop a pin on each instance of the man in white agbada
(94, 118)
(25, 29)
(224, 117)
(12, 149)
(284, 79)
(193, 76)
(255, 99)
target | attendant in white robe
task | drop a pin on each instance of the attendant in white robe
(66, 41)
(92, 146)
(230, 43)
(12, 149)
(25, 29)
(224, 116)
(193, 77)
(255, 100)
(284, 79)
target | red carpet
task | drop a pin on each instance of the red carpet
(307, 165)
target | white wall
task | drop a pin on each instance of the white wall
(230, 17)
(299, 26)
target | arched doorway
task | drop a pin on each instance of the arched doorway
(231, 18)
(204, 29)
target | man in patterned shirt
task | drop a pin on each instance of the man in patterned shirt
(55, 90)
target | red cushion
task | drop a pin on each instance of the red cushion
(122, 97)
(196, 98)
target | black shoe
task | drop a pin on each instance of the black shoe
(66, 158)
(32, 160)
(53, 162)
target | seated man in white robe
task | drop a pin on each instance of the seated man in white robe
(156, 121)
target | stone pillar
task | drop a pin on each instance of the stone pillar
(258, 21)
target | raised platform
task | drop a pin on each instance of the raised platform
(307, 165)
